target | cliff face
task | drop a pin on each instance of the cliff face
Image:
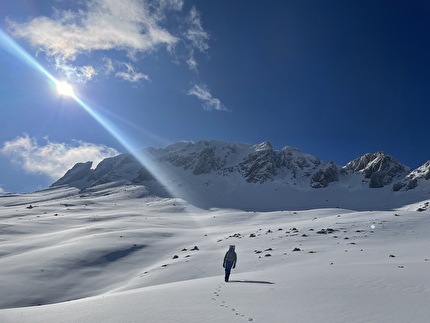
(379, 168)
(230, 170)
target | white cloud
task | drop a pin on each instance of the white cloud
(2, 191)
(109, 68)
(53, 159)
(203, 94)
(167, 5)
(192, 63)
(104, 25)
(81, 74)
(197, 37)
(195, 32)
(131, 75)
(123, 70)
(130, 26)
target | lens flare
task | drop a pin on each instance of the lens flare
(63, 88)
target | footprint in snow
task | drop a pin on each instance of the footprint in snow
(224, 305)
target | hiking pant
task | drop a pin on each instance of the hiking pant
(228, 265)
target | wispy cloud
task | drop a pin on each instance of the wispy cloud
(192, 63)
(131, 75)
(53, 159)
(128, 26)
(203, 94)
(81, 74)
(108, 65)
(197, 37)
(195, 32)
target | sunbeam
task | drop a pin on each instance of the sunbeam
(16, 50)
(65, 89)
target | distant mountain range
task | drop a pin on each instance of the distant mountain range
(220, 174)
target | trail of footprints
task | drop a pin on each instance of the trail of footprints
(224, 305)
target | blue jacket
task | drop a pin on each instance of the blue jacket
(230, 257)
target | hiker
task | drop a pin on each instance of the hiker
(230, 259)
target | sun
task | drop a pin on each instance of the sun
(65, 89)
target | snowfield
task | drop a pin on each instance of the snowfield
(112, 256)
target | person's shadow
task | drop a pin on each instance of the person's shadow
(251, 281)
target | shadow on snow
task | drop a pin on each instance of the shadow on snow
(251, 281)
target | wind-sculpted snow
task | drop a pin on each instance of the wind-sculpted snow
(114, 257)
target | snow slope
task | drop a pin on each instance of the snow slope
(112, 256)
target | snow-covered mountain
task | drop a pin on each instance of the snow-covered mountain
(113, 247)
(220, 174)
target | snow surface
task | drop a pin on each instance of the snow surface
(109, 256)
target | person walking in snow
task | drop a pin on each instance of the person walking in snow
(230, 259)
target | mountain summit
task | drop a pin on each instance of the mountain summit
(214, 174)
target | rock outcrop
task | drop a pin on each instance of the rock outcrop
(208, 161)
(380, 169)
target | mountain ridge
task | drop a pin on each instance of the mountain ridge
(208, 167)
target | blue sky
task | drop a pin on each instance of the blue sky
(335, 79)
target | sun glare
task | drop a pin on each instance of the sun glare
(64, 88)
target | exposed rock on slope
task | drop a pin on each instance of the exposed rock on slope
(259, 165)
(324, 177)
(379, 168)
(422, 173)
(230, 172)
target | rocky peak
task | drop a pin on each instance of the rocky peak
(421, 172)
(264, 146)
(411, 180)
(380, 168)
(77, 173)
(124, 167)
(210, 162)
